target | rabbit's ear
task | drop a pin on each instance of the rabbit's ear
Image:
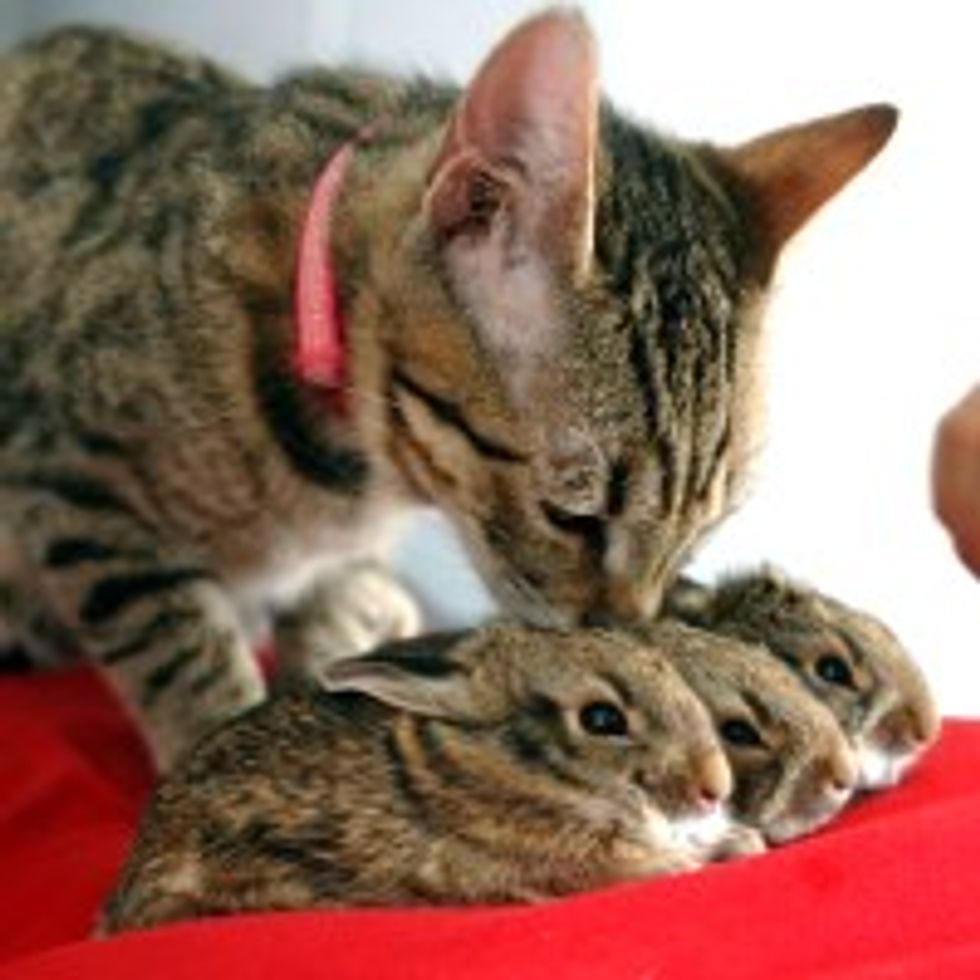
(418, 676)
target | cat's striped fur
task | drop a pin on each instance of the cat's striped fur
(553, 339)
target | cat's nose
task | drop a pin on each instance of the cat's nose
(623, 601)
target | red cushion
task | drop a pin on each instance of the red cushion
(890, 890)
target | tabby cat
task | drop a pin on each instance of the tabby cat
(552, 331)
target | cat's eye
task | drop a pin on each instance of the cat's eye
(737, 731)
(834, 670)
(588, 527)
(604, 719)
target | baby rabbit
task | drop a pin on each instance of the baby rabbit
(847, 658)
(500, 765)
(793, 768)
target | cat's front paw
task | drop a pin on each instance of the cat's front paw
(370, 607)
(345, 615)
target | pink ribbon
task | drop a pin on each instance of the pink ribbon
(319, 353)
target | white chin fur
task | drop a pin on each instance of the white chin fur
(880, 769)
(702, 832)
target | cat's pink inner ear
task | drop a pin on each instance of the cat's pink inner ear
(524, 135)
(790, 173)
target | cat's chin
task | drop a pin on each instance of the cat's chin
(521, 602)
(515, 597)
(548, 619)
(538, 614)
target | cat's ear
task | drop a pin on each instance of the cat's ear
(790, 173)
(519, 150)
(418, 675)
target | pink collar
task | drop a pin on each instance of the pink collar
(318, 357)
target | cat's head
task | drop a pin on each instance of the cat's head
(571, 323)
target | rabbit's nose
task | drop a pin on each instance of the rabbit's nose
(842, 770)
(712, 781)
(909, 728)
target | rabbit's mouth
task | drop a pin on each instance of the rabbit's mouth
(703, 831)
(697, 833)
(880, 768)
(798, 822)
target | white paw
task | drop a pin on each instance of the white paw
(361, 609)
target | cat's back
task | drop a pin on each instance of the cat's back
(90, 125)
(82, 92)
(108, 143)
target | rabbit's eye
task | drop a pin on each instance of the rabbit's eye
(603, 718)
(834, 670)
(735, 731)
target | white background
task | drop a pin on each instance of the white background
(874, 326)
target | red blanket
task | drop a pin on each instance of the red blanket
(890, 890)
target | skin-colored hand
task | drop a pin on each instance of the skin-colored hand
(956, 476)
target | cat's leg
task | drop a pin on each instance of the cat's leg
(343, 614)
(14, 657)
(165, 634)
(30, 636)
(184, 665)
